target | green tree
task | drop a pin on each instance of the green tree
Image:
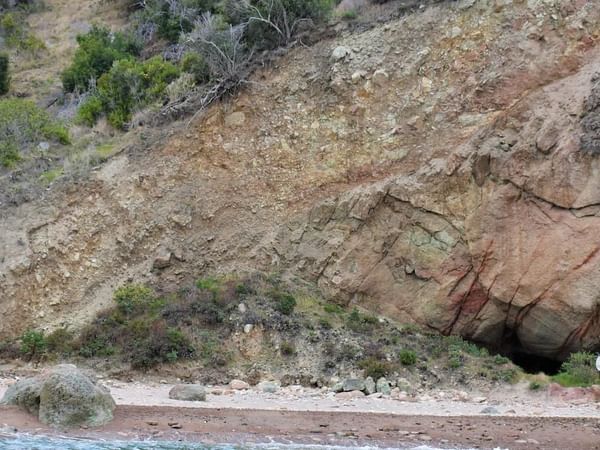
(98, 50)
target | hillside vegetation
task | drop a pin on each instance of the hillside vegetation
(410, 167)
(258, 326)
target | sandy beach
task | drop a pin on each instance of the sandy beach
(315, 416)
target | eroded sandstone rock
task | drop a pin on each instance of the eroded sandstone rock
(494, 242)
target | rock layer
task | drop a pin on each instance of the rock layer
(498, 242)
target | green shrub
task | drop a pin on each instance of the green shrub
(157, 74)
(4, 78)
(284, 303)
(127, 86)
(332, 308)
(90, 111)
(133, 298)
(536, 385)
(60, 341)
(350, 14)
(170, 19)
(287, 349)
(325, 324)
(9, 24)
(361, 323)
(33, 344)
(354, 316)
(508, 375)
(501, 360)
(286, 18)
(98, 50)
(96, 348)
(212, 285)
(23, 124)
(578, 370)
(156, 343)
(407, 357)
(15, 33)
(375, 368)
(32, 43)
(9, 154)
(194, 64)
(455, 358)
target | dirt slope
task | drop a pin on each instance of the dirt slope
(430, 118)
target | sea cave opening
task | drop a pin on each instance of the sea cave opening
(512, 348)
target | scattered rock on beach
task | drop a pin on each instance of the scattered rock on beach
(383, 386)
(63, 396)
(338, 387)
(348, 395)
(489, 410)
(269, 387)
(238, 385)
(354, 384)
(188, 392)
(370, 386)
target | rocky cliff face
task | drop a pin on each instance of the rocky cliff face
(437, 168)
(497, 242)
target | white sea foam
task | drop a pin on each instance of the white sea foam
(19, 441)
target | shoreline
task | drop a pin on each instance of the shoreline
(510, 417)
(227, 425)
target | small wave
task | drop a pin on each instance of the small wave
(20, 441)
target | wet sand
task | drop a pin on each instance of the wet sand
(325, 427)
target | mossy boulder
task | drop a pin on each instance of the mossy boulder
(63, 396)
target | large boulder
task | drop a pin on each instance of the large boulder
(24, 393)
(268, 387)
(63, 396)
(354, 384)
(188, 392)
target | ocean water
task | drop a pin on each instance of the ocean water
(36, 442)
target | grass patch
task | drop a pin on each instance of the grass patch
(332, 308)
(104, 151)
(578, 371)
(375, 368)
(361, 323)
(350, 14)
(50, 175)
(284, 302)
(22, 125)
(407, 357)
(14, 31)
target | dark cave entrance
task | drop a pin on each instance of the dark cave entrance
(535, 364)
(512, 348)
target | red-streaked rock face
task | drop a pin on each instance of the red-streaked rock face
(504, 243)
